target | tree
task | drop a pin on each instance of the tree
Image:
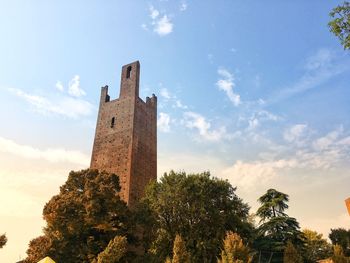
(340, 25)
(341, 236)
(194, 206)
(38, 249)
(291, 255)
(316, 247)
(115, 250)
(180, 254)
(338, 255)
(234, 251)
(276, 227)
(3, 240)
(85, 216)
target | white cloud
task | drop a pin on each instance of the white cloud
(59, 86)
(154, 13)
(163, 26)
(74, 87)
(164, 122)
(248, 175)
(196, 121)
(51, 155)
(61, 105)
(179, 104)
(226, 83)
(165, 93)
(183, 6)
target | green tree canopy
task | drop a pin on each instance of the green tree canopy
(115, 250)
(3, 240)
(340, 25)
(341, 236)
(197, 207)
(316, 247)
(85, 216)
(273, 204)
(276, 227)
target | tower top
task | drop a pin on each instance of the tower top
(130, 79)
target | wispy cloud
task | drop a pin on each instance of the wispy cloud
(319, 68)
(193, 120)
(61, 105)
(179, 104)
(68, 105)
(52, 155)
(320, 153)
(163, 122)
(260, 116)
(297, 134)
(172, 98)
(183, 6)
(226, 83)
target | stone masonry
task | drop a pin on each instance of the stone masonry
(126, 136)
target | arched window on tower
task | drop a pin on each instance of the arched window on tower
(112, 122)
(128, 72)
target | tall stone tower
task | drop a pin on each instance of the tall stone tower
(126, 136)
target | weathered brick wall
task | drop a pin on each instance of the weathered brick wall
(347, 203)
(128, 146)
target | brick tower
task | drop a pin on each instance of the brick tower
(126, 136)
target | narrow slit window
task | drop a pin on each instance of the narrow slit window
(112, 122)
(128, 72)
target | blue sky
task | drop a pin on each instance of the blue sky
(257, 92)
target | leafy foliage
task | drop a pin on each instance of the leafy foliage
(316, 247)
(180, 254)
(341, 236)
(3, 240)
(234, 250)
(38, 249)
(276, 227)
(115, 250)
(291, 255)
(340, 25)
(194, 206)
(85, 216)
(273, 204)
(338, 255)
